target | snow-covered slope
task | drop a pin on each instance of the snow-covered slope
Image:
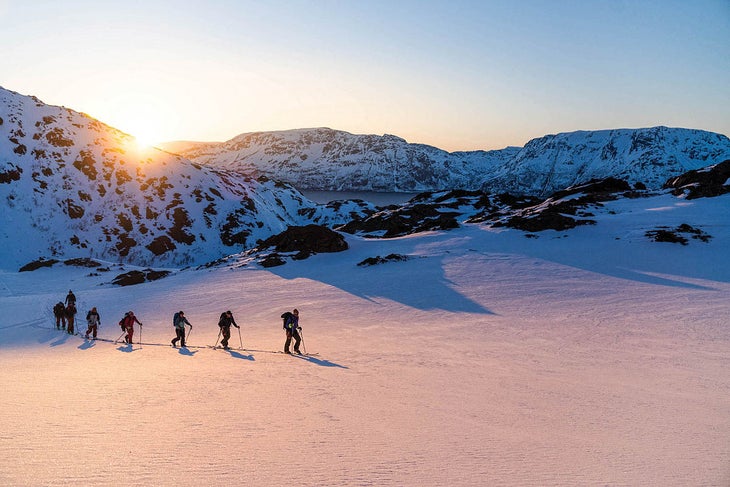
(73, 186)
(325, 159)
(587, 357)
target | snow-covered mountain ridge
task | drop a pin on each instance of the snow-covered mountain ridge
(72, 186)
(326, 159)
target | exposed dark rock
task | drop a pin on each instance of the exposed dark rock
(405, 220)
(37, 264)
(517, 202)
(125, 243)
(86, 165)
(553, 213)
(544, 220)
(179, 230)
(74, 211)
(703, 183)
(138, 277)
(272, 260)
(665, 234)
(153, 275)
(231, 233)
(599, 188)
(82, 262)
(309, 238)
(382, 260)
(160, 245)
(695, 232)
(56, 138)
(11, 175)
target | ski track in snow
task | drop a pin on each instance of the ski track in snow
(485, 359)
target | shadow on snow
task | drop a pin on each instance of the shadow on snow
(419, 282)
(320, 362)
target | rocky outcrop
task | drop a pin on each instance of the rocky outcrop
(306, 240)
(702, 183)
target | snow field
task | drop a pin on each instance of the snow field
(487, 358)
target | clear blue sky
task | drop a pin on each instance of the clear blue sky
(456, 74)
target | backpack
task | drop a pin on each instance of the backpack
(287, 317)
(121, 322)
(175, 318)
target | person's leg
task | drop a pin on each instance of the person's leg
(288, 341)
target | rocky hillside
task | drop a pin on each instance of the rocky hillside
(325, 159)
(563, 210)
(71, 186)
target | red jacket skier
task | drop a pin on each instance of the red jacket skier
(128, 324)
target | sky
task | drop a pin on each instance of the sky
(456, 74)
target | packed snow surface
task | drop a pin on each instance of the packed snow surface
(590, 357)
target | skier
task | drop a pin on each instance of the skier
(127, 324)
(94, 321)
(70, 314)
(59, 311)
(180, 321)
(225, 322)
(292, 328)
(70, 298)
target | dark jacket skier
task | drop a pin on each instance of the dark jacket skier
(94, 321)
(70, 316)
(179, 321)
(292, 328)
(225, 322)
(70, 298)
(59, 311)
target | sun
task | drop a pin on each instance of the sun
(144, 138)
(145, 129)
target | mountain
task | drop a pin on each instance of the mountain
(649, 156)
(72, 186)
(326, 159)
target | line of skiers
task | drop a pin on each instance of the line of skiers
(65, 313)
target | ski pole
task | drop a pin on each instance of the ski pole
(189, 332)
(219, 337)
(140, 335)
(301, 335)
(240, 340)
(120, 337)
